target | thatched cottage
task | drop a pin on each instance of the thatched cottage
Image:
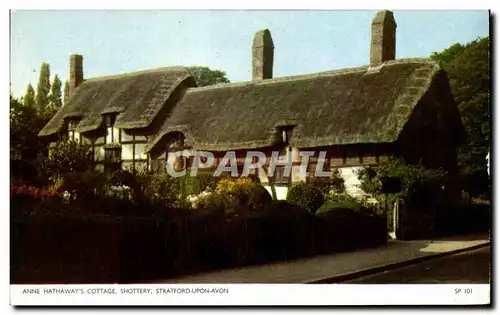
(358, 115)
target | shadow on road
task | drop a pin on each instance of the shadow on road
(467, 267)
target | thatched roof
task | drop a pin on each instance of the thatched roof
(357, 105)
(137, 97)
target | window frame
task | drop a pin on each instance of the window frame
(112, 133)
(72, 124)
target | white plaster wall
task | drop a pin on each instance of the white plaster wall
(127, 153)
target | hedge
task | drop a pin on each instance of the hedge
(440, 220)
(132, 248)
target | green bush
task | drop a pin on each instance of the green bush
(330, 185)
(306, 195)
(64, 158)
(233, 196)
(339, 214)
(259, 197)
(83, 185)
(341, 201)
(197, 184)
(416, 180)
(151, 188)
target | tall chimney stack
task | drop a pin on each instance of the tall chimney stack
(383, 38)
(262, 55)
(75, 72)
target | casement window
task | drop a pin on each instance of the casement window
(73, 135)
(113, 154)
(112, 133)
(279, 176)
(112, 158)
(140, 151)
(311, 170)
(175, 142)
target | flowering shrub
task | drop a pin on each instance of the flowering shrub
(212, 202)
(120, 191)
(232, 196)
(200, 183)
(22, 189)
(197, 200)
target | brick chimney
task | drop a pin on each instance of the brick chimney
(262, 55)
(75, 72)
(383, 39)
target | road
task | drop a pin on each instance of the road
(467, 267)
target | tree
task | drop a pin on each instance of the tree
(468, 70)
(67, 157)
(55, 101)
(448, 54)
(205, 76)
(66, 92)
(29, 97)
(43, 88)
(24, 127)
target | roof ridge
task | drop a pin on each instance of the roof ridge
(282, 79)
(311, 75)
(138, 72)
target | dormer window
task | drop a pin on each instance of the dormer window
(112, 133)
(286, 133)
(73, 135)
(175, 142)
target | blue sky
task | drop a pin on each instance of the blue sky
(305, 41)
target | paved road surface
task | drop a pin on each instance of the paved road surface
(467, 267)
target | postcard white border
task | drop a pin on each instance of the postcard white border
(251, 294)
(215, 4)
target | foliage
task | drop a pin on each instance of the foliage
(247, 193)
(232, 197)
(84, 184)
(468, 70)
(396, 167)
(339, 213)
(417, 181)
(194, 185)
(24, 126)
(24, 189)
(212, 202)
(330, 186)
(149, 187)
(341, 201)
(66, 92)
(55, 101)
(66, 157)
(306, 195)
(29, 97)
(205, 76)
(160, 247)
(43, 88)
